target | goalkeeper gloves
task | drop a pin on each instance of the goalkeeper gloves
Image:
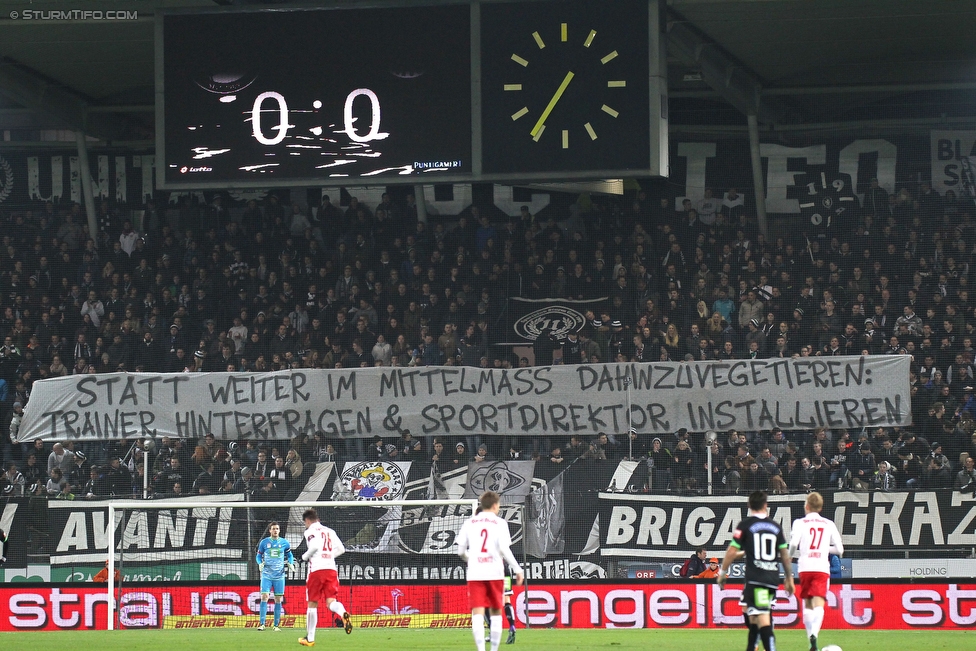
(291, 566)
(261, 567)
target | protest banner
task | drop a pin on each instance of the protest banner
(656, 398)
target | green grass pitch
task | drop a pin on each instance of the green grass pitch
(534, 640)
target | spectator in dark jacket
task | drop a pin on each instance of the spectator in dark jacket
(862, 466)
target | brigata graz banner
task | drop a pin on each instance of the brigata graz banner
(877, 606)
(800, 393)
(659, 526)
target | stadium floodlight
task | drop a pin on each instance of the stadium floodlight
(400, 566)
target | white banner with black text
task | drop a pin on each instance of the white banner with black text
(792, 394)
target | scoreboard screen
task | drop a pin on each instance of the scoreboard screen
(442, 93)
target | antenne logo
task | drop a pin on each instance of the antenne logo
(560, 319)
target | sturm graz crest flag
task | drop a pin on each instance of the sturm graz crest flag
(530, 317)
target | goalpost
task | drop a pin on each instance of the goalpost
(189, 563)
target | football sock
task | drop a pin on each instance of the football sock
(337, 608)
(277, 613)
(495, 630)
(263, 610)
(816, 620)
(753, 637)
(478, 628)
(808, 621)
(768, 639)
(311, 619)
(510, 615)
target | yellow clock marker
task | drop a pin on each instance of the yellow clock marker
(539, 134)
(519, 60)
(565, 138)
(610, 57)
(519, 113)
(589, 39)
(513, 86)
(616, 84)
(589, 130)
(609, 111)
(537, 129)
(538, 40)
(563, 32)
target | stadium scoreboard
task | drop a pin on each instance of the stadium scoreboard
(437, 93)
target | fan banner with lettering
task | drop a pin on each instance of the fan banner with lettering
(659, 526)
(659, 398)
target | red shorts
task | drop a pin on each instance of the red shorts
(322, 585)
(813, 584)
(485, 594)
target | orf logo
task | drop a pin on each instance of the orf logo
(560, 319)
(495, 477)
(373, 481)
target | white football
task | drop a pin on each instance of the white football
(831, 647)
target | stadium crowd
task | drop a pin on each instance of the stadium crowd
(262, 287)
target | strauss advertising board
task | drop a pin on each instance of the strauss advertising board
(881, 606)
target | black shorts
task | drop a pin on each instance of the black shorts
(757, 599)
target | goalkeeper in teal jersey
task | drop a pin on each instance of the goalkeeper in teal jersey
(273, 553)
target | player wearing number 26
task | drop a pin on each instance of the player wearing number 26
(761, 541)
(323, 581)
(812, 538)
(485, 543)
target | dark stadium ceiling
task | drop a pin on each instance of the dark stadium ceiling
(807, 62)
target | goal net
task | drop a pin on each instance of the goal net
(191, 564)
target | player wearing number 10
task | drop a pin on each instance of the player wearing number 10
(762, 542)
(485, 543)
(273, 552)
(812, 538)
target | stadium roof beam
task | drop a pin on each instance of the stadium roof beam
(37, 93)
(730, 79)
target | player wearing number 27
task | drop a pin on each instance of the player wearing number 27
(273, 552)
(761, 541)
(322, 583)
(814, 537)
(485, 543)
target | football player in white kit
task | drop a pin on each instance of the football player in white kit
(322, 583)
(485, 543)
(812, 539)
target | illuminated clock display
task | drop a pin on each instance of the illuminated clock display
(565, 84)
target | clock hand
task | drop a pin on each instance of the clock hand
(552, 103)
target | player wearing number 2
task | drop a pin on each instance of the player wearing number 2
(814, 537)
(485, 543)
(762, 542)
(323, 581)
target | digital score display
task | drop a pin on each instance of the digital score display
(330, 95)
(500, 90)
